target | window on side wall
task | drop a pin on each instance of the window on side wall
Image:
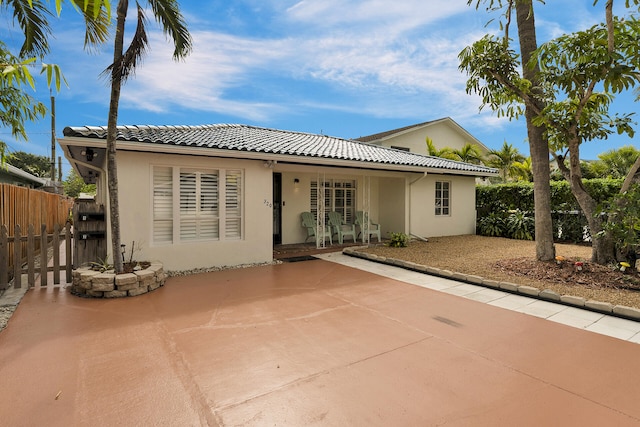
(443, 198)
(197, 204)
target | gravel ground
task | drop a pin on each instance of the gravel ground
(514, 261)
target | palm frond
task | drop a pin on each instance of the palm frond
(134, 54)
(167, 13)
(97, 18)
(32, 17)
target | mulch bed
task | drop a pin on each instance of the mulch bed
(592, 275)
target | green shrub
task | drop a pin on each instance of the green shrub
(493, 225)
(495, 201)
(398, 240)
(520, 225)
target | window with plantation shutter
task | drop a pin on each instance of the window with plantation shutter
(198, 204)
(233, 204)
(162, 204)
(192, 205)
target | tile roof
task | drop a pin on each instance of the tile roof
(238, 137)
(381, 135)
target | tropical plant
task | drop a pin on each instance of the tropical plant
(504, 160)
(398, 240)
(32, 17)
(520, 225)
(445, 152)
(469, 153)
(522, 170)
(167, 14)
(493, 225)
(615, 163)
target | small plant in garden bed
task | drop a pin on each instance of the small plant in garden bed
(398, 240)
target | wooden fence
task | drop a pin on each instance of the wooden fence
(36, 261)
(20, 205)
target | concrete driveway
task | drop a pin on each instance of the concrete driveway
(308, 343)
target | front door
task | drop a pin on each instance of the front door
(277, 208)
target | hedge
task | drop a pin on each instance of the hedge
(507, 200)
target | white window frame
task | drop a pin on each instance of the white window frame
(442, 198)
(336, 189)
(214, 213)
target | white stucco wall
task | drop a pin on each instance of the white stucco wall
(462, 220)
(392, 207)
(135, 189)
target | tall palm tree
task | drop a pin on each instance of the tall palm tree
(504, 160)
(167, 14)
(534, 103)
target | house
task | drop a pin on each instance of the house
(443, 132)
(10, 174)
(216, 195)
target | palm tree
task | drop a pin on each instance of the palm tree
(504, 160)
(445, 153)
(167, 14)
(522, 170)
(616, 163)
(533, 103)
(469, 153)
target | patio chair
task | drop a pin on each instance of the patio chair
(341, 227)
(309, 223)
(367, 228)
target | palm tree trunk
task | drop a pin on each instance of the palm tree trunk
(112, 171)
(538, 146)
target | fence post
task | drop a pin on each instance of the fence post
(31, 255)
(56, 254)
(43, 255)
(17, 257)
(68, 258)
(4, 257)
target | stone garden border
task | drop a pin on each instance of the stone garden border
(94, 284)
(622, 311)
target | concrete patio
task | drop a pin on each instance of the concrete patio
(307, 343)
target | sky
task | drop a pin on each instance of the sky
(343, 68)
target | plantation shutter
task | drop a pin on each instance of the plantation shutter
(198, 204)
(209, 210)
(162, 204)
(233, 204)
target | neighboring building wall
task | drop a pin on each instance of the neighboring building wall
(135, 175)
(462, 218)
(442, 134)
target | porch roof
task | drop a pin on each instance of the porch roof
(296, 147)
